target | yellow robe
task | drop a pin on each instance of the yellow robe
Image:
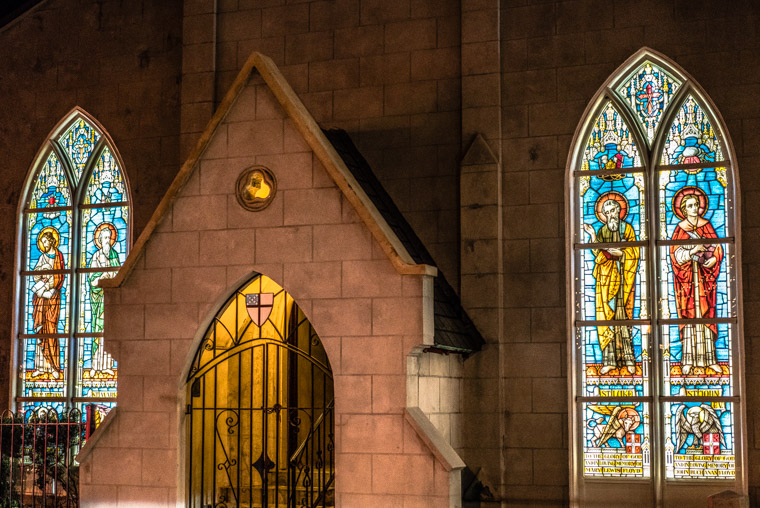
(608, 280)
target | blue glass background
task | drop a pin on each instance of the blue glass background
(708, 182)
(678, 138)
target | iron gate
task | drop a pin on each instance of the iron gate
(260, 421)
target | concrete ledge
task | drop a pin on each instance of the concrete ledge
(727, 499)
(86, 450)
(433, 439)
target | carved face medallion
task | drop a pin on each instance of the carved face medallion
(255, 188)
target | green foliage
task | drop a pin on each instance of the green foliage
(37, 456)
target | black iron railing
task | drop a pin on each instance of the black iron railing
(312, 465)
(37, 450)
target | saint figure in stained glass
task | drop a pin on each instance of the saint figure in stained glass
(105, 237)
(614, 272)
(47, 302)
(695, 273)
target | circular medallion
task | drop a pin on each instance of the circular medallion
(255, 188)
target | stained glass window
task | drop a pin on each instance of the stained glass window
(655, 295)
(648, 92)
(75, 229)
(79, 142)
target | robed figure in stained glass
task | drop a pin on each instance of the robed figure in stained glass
(46, 302)
(695, 274)
(615, 273)
(105, 237)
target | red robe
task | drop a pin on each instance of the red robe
(683, 275)
(46, 312)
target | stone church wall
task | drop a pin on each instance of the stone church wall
(389, 72)
(386, 71)
(312, 242)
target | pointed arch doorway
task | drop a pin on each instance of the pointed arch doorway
(259, 418)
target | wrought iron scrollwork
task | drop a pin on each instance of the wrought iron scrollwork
(269, 401)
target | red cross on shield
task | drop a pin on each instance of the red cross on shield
(632, 443)
(259, 306)
(711, 443)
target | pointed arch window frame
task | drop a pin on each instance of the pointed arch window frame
(53, 144)
(650, 154)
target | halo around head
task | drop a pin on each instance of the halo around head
(101, 227)
(56, 237)
(629, 412)
(704, 202)
(616, 196)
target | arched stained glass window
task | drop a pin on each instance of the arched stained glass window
(656, 314)
(74, 232)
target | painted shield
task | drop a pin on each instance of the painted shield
(711, 443)
(632, 443)
(259, 306)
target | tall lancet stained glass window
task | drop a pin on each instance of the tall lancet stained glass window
(75, 233)
(655, 294)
